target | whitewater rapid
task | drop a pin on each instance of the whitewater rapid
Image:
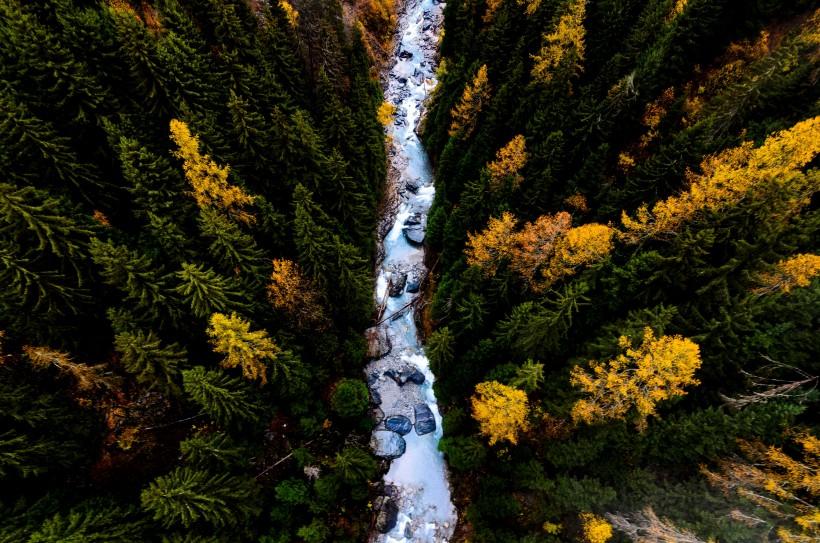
(416, 483)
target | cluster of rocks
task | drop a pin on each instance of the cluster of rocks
(414, 227)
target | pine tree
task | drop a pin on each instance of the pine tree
(142, 282)
(235, 250)
(355, 465)
(205, 291)
(151, 179)
(187, 496)
(213, 450)
(95, 521)
(225, 399)
(529, 376)
(153, 364)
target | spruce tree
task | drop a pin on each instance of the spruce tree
(186, 497)
(96, 521)
(225, 399)
(153, 364)
(213, 450)
(205, 291)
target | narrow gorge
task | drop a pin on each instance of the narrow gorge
(416, 504)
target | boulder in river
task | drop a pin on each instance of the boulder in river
(375, 396)
(425, 421)
(378, 342)
(413, 185)
(405, 375)
(397, 283)
(388, 514)
(405, 55)
(413, 284)
(414, 234)
(387, 444)
(399, 424)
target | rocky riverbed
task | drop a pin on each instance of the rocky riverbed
(416, 504)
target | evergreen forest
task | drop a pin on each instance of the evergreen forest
(621, 309)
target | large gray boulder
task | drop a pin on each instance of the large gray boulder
(425, 421)
(397, 283)
(387, 444)
(399, 424)
(414, 234)
(387, 515)
(378, 342)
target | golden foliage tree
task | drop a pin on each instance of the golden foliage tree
(476, 94)
(787, 487)
(733, 175)
(564, 46)
(595, 529)
(492, 7)
(208, 180)
(509, 160)
(797, 271)
(656, 370)
(541, 252)
(86, 378)
(531, 6)
(500, 410)
(232, 336)
(295, 294)
(385, 113)
(290, 12)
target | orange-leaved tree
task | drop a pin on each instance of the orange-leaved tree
(743, 172)
(295, 294)
(208, 180)
(501, 411)
(465, 114)
(231, 336)
(658, 369)
(543, 251)
(508, 162)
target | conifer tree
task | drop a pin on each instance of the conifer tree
(231, 336)
(205, 291)
(212, 450)
(187, 496)
(235, 250)
(563, 48)
(475, 96)
(225, 399)
(96, 521)
(500, 410)
(153, 364)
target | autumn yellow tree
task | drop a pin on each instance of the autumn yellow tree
(509, 160)
(500, 410)
(734, 175)
(293, 293)
(564, 46)
(492, 7)
(385, 113)
(797, 271)
(541, 252)
(232, 337)
(208, 180)
(490, 247)
(658, 369)
(290, 12)
(476, 94)
(595, 529)
(85, 377)
(786, 486)
(531, 6)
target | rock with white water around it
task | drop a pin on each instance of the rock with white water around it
(413, 284)
(387, 444)
(399, 424)
(388, 514)
(414, 234)
(405, 375)
(415, 377)
(425, 421)
(397, 283)
(413, 185)
(378, 342)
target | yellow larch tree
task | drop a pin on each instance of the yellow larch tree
(734, 175)
(490, 247)
(797, 271)
(595, 529)
(509, 160)
(786, 486)
(531, 6)
(232, 337)
(293, 293)
(290, 12)
(208, 180)
(501, 411)
(492, 7)
(476, 94)
(385, 113)
(534, 246)
(562, 46)
(658, 369)
(581, 246)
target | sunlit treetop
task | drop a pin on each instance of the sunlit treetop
(508, 162)
(595, 529)
(465, 114)
(231, 336)
(797, 271)
(564, 46)
(500, 410)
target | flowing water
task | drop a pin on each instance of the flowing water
(417, 505)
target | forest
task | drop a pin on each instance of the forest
(624, 321)
(623, 297)
(187, 226)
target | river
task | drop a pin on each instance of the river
(416, 506)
